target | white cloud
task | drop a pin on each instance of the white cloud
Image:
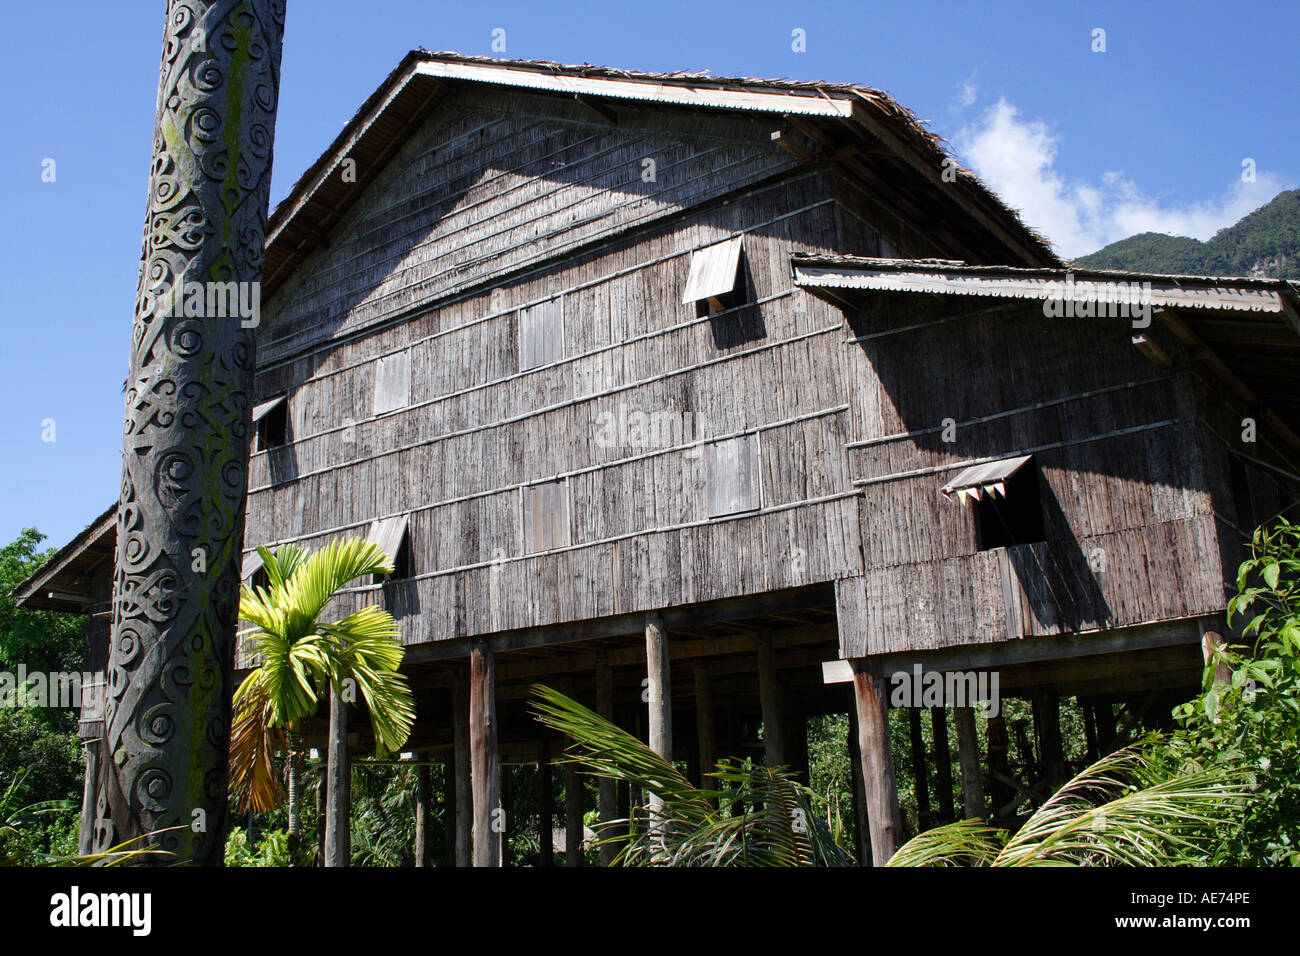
(1016, 157)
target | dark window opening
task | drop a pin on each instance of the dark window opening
(403, 566)
(260, 579)
(273, 427)
(1241, 499)
(720, 303)
(1002, 521)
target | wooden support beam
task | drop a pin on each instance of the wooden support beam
(999, 769)
(338, 792)
(877, 759)
(920, 776)
(449, 808)
(968, 754)
(659, 686)
(863, 843)
(573, 825)
(485, 773)
(606, 798)
(942, 763)
(546, 805)
(1047, 724)
(423, 814)
(705, 728)
(463, 771)
(769, 693)
(659, 699)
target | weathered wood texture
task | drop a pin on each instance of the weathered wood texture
(1127, 509)
(495, 343)
(430, 289)
(485, 767)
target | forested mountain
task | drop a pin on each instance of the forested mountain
(1264, 243)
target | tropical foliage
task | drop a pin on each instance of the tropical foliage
(1129, 808)
(754, 816)
(302, 655)
(1250, 724)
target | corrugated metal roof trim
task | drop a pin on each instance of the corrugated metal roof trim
(949, 282)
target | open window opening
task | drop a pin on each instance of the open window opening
(253, 572)
(271, 419)
(393, 537)
(1006, 497)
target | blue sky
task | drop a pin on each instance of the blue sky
(1150, 134)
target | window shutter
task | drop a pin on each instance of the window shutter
(546, 516)
(541, 334)
(393, 382)
(732, 472)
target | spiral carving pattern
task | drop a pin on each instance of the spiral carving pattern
(185, 446)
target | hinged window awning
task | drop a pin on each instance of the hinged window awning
(264, 409)
(389, 533)
(989, 478)
(713, 272)
(252, 564)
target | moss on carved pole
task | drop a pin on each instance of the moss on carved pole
(180, 523)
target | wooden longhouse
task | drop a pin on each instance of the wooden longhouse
(719, 403)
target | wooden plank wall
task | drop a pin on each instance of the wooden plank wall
(1249, 493)
(478, 429)
(1128, 516)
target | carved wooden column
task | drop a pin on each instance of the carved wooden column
(180, 523)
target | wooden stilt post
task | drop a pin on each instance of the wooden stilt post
(769, 695)
(546, 805)
(573, 826)
(1047, 723)
(705, 728)
(1089, 728)
(920, 778)
(968, 753)
(463, 774)
(859, 793)
(485, 773)
(338, 791)
(449, 808)
(606, 796)
(999, 791)
(796, 746)
(877, 759)
(659, 687)
(423, 816)
(942, 763)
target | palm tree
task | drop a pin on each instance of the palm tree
(302, 657)
(1127, 809)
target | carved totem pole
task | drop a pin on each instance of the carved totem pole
(180, 523)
